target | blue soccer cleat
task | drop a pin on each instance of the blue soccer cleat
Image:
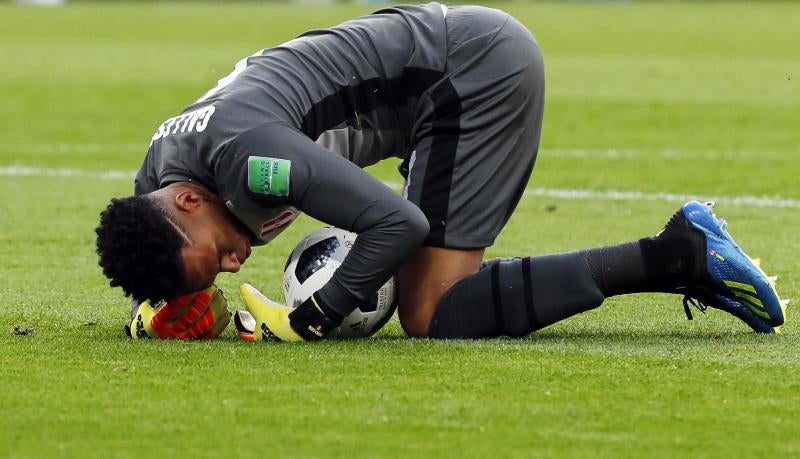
(733, 282)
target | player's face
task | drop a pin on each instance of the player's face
(216, 244)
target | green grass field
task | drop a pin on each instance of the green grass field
(656, 101)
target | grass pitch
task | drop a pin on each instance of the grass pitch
(647, 104)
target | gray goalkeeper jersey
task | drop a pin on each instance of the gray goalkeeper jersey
(289, 129)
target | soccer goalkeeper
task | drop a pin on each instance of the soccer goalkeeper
(458, 94)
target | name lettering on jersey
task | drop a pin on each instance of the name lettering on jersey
(268, 175)
(194, 121)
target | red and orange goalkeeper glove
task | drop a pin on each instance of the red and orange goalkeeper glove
(199, 315)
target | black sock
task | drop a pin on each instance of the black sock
(673, 259)
(617, 269)
(516, 297)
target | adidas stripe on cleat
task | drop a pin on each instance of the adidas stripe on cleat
(735, 282)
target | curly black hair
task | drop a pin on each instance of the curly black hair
(140, 250)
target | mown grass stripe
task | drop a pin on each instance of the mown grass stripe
(609, 153)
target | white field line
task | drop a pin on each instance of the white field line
(613, 195)
(669, 153)
(558, 193)
(24, 171)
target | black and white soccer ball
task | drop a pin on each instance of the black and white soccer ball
(310, 266)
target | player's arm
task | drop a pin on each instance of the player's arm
(333, 190)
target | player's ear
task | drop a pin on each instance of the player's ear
(188, 199)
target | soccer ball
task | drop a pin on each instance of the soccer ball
(310, 266)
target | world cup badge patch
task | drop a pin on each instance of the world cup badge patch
(268, 176)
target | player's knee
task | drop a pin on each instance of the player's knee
(416, 318)
(415, 324)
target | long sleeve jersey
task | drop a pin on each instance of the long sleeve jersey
(290, 128)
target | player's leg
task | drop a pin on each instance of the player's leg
(693, 256)
(505, 297)
(470, 167)
(474, 152)
(441, 298)
(426, 278)
(474, 130)
(518, 296)
(443, 294)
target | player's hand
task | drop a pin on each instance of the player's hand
(270, 321)
(199, 315)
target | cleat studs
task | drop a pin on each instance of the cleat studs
(757, 262)
(786, 302)
(711, 204)
(773, 279)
